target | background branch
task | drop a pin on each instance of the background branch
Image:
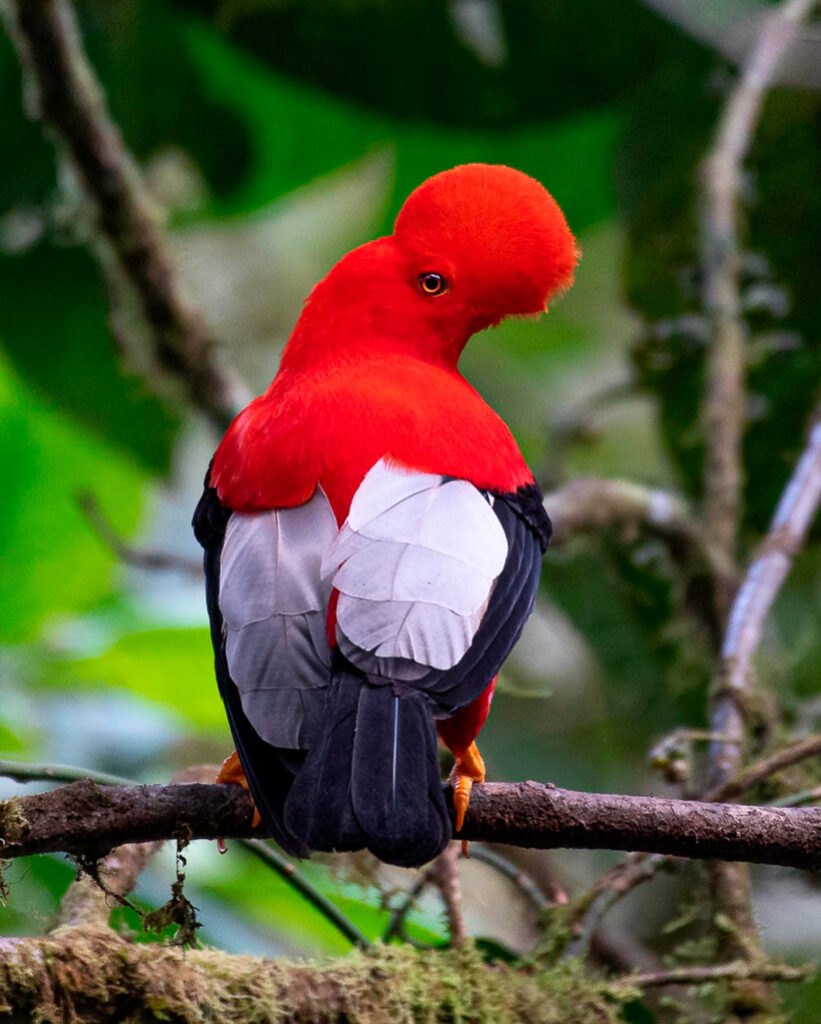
(590, 504)
(793, 517)
(444, 874)
(64, 93)
(139, 558)
(736, 971)
(792, 754)
(721, 178)
(723, 415)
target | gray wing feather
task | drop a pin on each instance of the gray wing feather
(415, 566)
(274, 604)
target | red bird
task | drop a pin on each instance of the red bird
(373, 536)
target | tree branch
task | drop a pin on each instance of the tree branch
(792, 754)
(286, 870)
(89, 820)
(721, 177)
(138, 558)
(64, 93)
(590, 504)
(739, 970)
(724, 411)
(793, 517)
(98, 977)
(28, 771)
(444, 874)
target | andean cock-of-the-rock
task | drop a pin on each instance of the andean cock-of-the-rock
(373, 536)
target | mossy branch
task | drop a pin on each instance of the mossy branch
(98, 977)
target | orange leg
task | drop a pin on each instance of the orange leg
(232, 773)
(469, 768)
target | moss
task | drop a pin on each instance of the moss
(13, 828)
(13, 823)
(92, 975)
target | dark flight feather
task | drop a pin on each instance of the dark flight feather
(371, 778)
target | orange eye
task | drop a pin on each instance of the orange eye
(432, 284)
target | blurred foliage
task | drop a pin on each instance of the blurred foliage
(280, 134)
(782, 266)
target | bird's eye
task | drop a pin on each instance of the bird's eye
(432, 284)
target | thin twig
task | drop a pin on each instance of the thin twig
(806, 796)
(136, 557)
(23, 771)
(796, 752)
(524, 882)
(64, 93)
(269, 856)
(740, 970)
(444, 874)
(397, 919)
(607, 892)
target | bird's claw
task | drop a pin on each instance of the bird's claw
(469, 768)
(231, 773)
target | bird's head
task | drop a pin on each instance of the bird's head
(485, 241)
(471, 246)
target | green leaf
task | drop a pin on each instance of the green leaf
(53, 322)
(300, 134)
(170, 667)
(52, 561)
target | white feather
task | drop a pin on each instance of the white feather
(414, 565)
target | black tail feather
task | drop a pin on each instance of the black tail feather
(371, 778)
(395, 783)
(319, 808)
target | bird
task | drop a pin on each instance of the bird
(372, 534)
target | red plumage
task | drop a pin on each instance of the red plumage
(370, 373)
(371, 368)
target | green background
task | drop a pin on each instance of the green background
(279, 135)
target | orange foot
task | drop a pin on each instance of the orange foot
(469, 768)
(232, 773)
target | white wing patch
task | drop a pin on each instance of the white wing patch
(415, 566)
(274, 604)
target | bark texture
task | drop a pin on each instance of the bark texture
(88, 820)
